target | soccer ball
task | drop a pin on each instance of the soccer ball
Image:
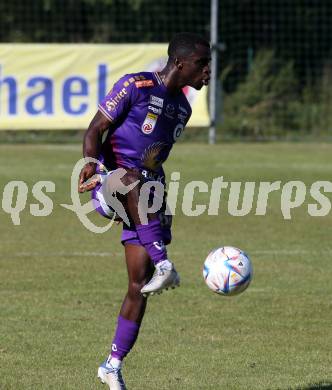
(227, 271)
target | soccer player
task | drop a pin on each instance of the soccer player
(144, 114)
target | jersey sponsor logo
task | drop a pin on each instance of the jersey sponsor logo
(112, 103)
(144, 83)
(156, 101)
(149, 123)
(155, 110)
(177, 131)
(182, 117)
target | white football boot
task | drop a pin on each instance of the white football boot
(164, 277)
(111, 376)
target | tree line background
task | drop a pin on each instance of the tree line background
(275, 67)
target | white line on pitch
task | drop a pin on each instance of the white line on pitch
(61, 254)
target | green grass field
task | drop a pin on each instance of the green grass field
(61, 285)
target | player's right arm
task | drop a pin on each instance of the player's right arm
(116, 104)
(91, 148)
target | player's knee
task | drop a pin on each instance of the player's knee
(134, 288)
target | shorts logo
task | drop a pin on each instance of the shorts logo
(156, 101)
(149, 123)
(159, 245)
(144, 83)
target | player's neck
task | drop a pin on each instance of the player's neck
(171, 80)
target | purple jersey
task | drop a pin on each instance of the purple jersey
(146, 122)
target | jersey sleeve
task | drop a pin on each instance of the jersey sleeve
(119, 99)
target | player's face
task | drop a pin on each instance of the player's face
(196, 68)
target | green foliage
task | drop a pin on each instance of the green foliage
(314, 109)
(261, 105)
(270, 102)
(100, 21)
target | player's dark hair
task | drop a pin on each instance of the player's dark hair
(184, 44)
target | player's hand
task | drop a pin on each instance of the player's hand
(88, 178)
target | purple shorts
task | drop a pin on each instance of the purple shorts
(129, 234)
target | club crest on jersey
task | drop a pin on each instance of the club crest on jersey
(149, 123)
(156, 101)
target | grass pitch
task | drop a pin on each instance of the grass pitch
(61, 285)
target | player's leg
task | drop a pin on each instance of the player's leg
(140, 270)
(165, 275)
(131, 314)
(152, 237)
